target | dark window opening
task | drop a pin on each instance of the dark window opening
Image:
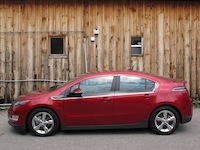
(57, 45)
(136, 46)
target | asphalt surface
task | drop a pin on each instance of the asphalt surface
(187, 137)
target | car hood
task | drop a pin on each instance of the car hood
(34, 95)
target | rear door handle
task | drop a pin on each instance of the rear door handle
(147, 96)
(105, 99)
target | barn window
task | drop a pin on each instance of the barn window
(57, 45)
(136, 46)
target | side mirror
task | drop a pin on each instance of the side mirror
(76, 93)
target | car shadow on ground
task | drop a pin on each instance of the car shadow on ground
(181, 130)
(106, 132)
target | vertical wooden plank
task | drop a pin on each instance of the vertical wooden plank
(44, 43)
(9, 52)
(79, 39)
(100, 36)
(140, 30)
(16, 50)
(112, 38)
(37, 44)
(2, 48)
(51, 17)
(93, 50)
(173, 39)
(65, 67)
(166, 41)
(160, 43)
(115, 19)
(147, 41)
(23, 58)
(120, 35)
(180, 40)
(52, 32)
(71, 40)
(187, 46)
(58, 69)
(106, 35)
(58, 27)
(58, 17)
(194, 29)
(86, 25)
(133, 29)
(154, 39)
(30, 46)
(51, 70)
(198, 53)
(127, 36)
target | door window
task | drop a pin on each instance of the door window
(95, 86)
(131, 84)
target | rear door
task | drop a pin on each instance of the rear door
(133, 99)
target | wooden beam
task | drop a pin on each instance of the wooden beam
(160, 43)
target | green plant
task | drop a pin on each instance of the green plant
(196, 102)
(4, 108)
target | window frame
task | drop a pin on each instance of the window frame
(137, 46)
(64, 47)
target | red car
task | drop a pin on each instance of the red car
(105, 100)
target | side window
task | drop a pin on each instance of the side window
(95, 86)
(57, 45)
(132, 84)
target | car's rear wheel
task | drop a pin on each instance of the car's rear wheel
(43, 122)
(164, 120)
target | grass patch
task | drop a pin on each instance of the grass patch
(4, 108)
(196, 102)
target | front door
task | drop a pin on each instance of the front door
(94, 106)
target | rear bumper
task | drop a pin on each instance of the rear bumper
(186, 119)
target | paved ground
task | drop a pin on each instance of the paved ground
(187, 137)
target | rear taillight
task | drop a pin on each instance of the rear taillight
(179, 89)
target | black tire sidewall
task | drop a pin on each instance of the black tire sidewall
(153, 115)
(34, 112)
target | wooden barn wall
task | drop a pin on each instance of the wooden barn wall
(169, 29)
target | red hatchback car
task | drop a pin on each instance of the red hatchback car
(105, 100)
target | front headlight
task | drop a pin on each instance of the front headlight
(20, 102)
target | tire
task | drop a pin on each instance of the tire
(43, 122)
(164, 120)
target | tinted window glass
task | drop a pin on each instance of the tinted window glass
(132, 84)
(57, 45)
(95, 86)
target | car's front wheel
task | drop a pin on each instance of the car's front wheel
(164, 120)
(43, 122)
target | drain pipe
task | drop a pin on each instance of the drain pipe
(85, 54)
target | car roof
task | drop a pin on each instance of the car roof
(130, 72)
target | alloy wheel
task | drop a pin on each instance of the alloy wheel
(43, 123)
(165, 121)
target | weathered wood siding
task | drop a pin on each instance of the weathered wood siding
(169, 29)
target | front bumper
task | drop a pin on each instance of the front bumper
(17, 118)
(18, 127)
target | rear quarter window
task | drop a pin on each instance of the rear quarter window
(131, 84)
